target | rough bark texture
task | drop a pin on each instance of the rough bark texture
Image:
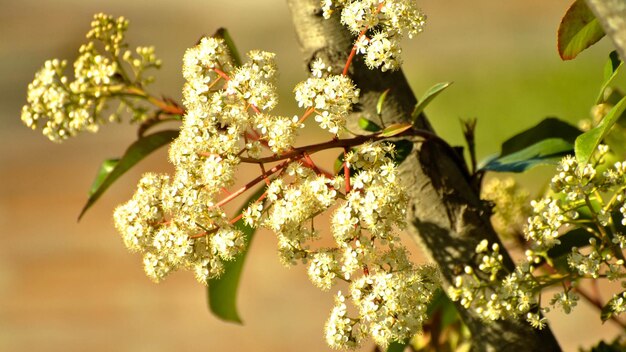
(446, 214)
(612, 17)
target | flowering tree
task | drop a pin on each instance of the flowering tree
(393, 173)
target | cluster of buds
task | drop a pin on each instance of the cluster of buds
(577, 211)
(379, 26)
(65, 107)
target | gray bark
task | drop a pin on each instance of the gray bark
(612, 17)
(446, 214)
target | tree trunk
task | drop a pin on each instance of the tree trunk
(446, 214)
(612, 17)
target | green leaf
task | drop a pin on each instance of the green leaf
(134, 154)
(105, 169)
(548, 151)
(397, 346)
(575, 238)
(395, 129)
(579, 29)
(222, 291)
(338, 166)
(368, 125)
(443, 305)
(381, 101)
(608, 311)
(550, 127)
(544, 143)
(611, 68)
(430, 94)
(403, 148)
(617, 345)
(587, 142)
(230, 44)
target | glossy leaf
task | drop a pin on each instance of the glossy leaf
(579, 29)
(338, 165)
(397, 346)
(617, 345)
(550, 127)
(544, 143)
(608, 311)
(548, 151)
(611, 68)
(587, 142)
(141, 148)
(368, 125)
(222, 291)
(403, 148)
(395, 129)
(381, 102)
(575, 238)
(230, 44)
(430, 94)
(106, 168)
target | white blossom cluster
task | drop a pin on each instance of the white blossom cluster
(492, 294)
(379, 26)
(177, 221)
(577, 206)
(205, 156)
(389, 293)
(332, 98)
(65, 107)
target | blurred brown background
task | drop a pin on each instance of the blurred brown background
(68, 286)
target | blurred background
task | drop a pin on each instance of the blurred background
(68, 286)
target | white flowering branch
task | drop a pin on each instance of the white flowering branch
(445, 212)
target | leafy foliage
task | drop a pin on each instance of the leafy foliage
(587, 142)
(222, 291)
(111, 170)
(430, 94)
(544, 143)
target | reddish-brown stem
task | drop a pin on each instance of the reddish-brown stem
(338, 143)
(231, 221)
(214, 83)
(167, 107)
(253, 182)
(306, 114)
(310, 163)
(351, 57)
(227, 78)
(208, 154)
(202, 234)
(254, 108)
(361, 34)
(346, 170)
(267, 180)
(238, 217)
(256, 137)
(221, 73)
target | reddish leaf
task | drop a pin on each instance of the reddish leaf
(579, 29)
